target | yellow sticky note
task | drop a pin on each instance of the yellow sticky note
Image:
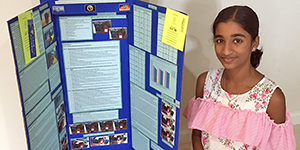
(175, 27)
(29, 37)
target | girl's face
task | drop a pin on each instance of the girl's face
(233, 45)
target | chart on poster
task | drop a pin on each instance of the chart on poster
(98, 75)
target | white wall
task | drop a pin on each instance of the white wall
(280, 62)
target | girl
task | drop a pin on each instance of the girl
(237, 107)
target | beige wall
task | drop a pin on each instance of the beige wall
(280, 62)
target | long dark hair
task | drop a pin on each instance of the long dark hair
(247, 19)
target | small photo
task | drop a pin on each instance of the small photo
(101, 26)
(100, 141)
(58, 100)
(61, 123)
(121, 124)
(107, 126)
(46, 17)
(64, 142)
(118, 33)
(49, 37)
(58, 9)
(77, 128)
(52, 58)
(80, 143)
(168, 109)
(118, 139)
(124, 7)
(60, 112)
(167, 135)
(92, 127)
(167, 122)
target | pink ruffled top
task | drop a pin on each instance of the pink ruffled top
(249, 127)
(238, 121)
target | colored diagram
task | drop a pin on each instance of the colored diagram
(163, 75)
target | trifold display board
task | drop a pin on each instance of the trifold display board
(97, 76)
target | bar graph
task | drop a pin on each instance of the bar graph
(161, 77)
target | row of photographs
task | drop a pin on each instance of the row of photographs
(102, 126)
(99, 26)
(87, 142)
(61, 120)
(105, 26)
(60, 116)
(168, 113)
(48, 34)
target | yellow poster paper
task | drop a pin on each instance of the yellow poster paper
(175, 27)
(28, 36)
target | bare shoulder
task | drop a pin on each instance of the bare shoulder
(277, 107)
(200, 84)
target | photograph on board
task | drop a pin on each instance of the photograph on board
(49, 37)
(46, 17)
(167, 135)
(121, 124)
(101, 26)
(80, 143)
(118, 33)
(100, 141)
(77, 128)
(107, 125)
(92, 127)
(118, 138)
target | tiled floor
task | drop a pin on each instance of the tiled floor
(188, 146)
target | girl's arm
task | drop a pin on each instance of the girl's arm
(276, 108)
(200, 85)
(196, 140)
(196, 134)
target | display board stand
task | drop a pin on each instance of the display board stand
(97, 76)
